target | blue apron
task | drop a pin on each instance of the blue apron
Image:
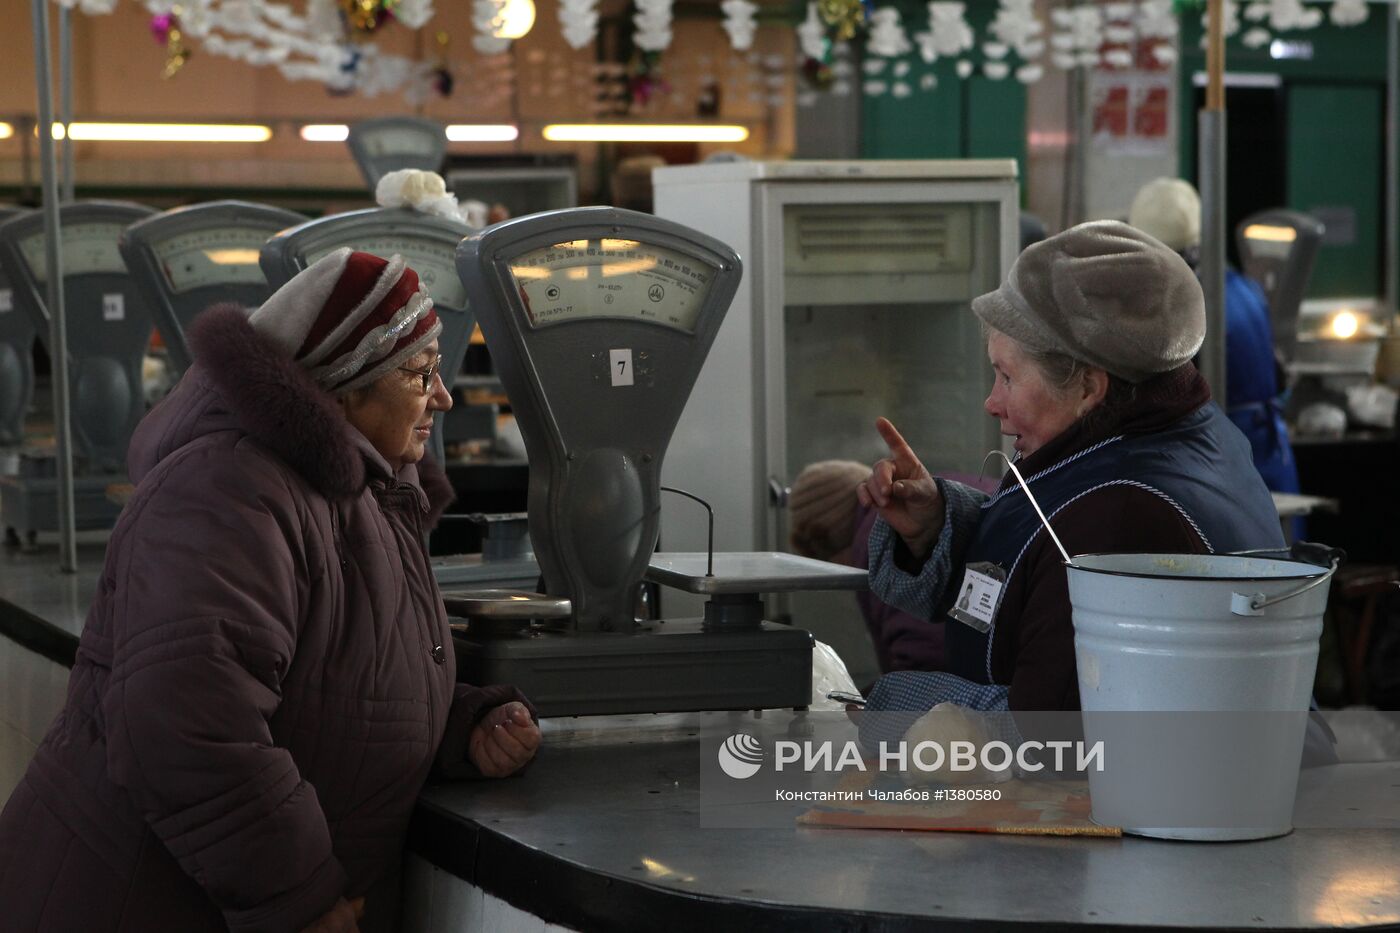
(1201, 465)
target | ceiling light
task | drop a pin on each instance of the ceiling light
(325, 132)
(6, 131)
(166, 132)
(482, 132)
(644, 133)
(514, 19)
(1345, 325)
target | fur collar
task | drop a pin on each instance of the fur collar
(275, 402)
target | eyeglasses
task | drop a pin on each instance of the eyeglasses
(427, 375)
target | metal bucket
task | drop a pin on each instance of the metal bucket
(1196, 671)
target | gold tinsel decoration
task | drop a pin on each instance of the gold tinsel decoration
(175, 54)
(845, 16)
(362, 15)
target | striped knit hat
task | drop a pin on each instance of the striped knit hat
(350, 318)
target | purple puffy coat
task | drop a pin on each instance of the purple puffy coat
(264, 677)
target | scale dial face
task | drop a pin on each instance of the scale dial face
(226, 256)
(434, 262)
(611, 278)
(86, 248)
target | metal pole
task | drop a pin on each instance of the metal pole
(58, 330)
(65, 97)
(1083, 135)
(1392, 167)
(1211, 173)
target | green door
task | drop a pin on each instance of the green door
(1334, 173)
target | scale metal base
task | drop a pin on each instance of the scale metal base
(30, 503)
(669, 667)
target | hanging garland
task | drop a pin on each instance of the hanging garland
(333, 42)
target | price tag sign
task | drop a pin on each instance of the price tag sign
(114, 307)
(620, 366)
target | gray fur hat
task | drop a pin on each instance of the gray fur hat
(1103, 293)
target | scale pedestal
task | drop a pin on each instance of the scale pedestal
(731, 660)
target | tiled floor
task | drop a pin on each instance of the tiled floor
(32, 687)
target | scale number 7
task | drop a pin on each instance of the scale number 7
(620, 366)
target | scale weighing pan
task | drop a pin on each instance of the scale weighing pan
(754, 572)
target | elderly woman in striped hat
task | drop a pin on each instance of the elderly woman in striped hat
(266, 675)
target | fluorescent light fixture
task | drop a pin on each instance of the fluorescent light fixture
(166, 132)
(644, 133)
(1271, 233)
(482, 132)
(6, 131)
(325, 132)
(1300, 49)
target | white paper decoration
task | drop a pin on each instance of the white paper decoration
(887, 35)
(1017, 27)
(578, 22)
(1349, 12)
(652, 23)
(1029, 74)
(739, 22)
(1156, 20)
(948, 32)
(811, 34)
(1254, 38)
(1079, 33)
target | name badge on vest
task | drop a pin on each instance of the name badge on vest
(979, 595)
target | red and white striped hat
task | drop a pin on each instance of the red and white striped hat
(350, 318)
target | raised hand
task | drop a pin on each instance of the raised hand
(904, 493)
(342, 918)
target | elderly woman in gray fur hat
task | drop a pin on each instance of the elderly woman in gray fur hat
(1090, 339)
(266, 674)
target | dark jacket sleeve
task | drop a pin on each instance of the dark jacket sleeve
(209, 589)
(1040, 661)
(469, 705)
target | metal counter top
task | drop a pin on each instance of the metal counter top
(603, 832)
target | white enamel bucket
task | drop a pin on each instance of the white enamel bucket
(1197, 672)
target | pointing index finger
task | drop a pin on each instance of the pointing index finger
(899, 449)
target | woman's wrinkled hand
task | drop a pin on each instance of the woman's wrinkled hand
(904, 493)
(504, 741)
(342, 918)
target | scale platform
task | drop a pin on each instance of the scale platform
(741, 572)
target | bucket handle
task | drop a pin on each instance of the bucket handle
(1036, 505)
(1242, 604)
